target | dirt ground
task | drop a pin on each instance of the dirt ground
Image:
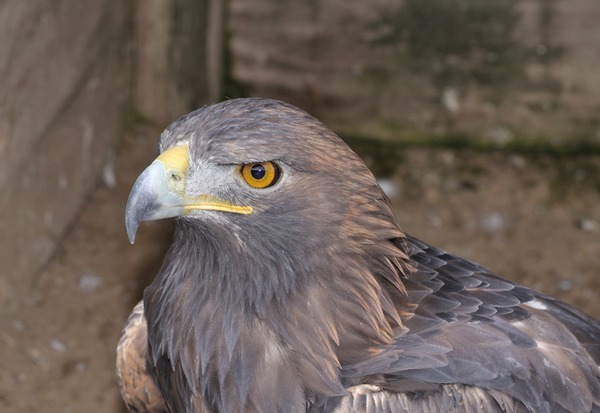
(535, 220)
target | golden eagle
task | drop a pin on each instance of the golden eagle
(288, 287)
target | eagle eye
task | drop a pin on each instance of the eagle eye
(261, 174)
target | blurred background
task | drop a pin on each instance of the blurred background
(480, 118)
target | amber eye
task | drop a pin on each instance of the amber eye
(260, 175)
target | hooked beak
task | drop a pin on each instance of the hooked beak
(159, 192)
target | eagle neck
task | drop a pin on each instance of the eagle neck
(223, 317)
(215, 313)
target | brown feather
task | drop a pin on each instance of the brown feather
(134, 370)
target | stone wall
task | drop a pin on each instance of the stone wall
(64, 81)
(497, 72)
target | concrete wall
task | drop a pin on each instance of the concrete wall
(498, 72)
(64, 81)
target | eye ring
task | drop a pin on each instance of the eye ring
(260, 175)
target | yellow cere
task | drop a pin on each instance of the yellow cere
(176, 158)
(175, 162)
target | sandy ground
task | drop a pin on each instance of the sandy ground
(534, 220)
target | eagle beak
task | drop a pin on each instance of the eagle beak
(159, 192)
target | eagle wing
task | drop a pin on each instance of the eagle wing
(134, 369)
(476, 342)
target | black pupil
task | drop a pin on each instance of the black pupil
(258, 171)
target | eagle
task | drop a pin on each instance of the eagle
(289, 287)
